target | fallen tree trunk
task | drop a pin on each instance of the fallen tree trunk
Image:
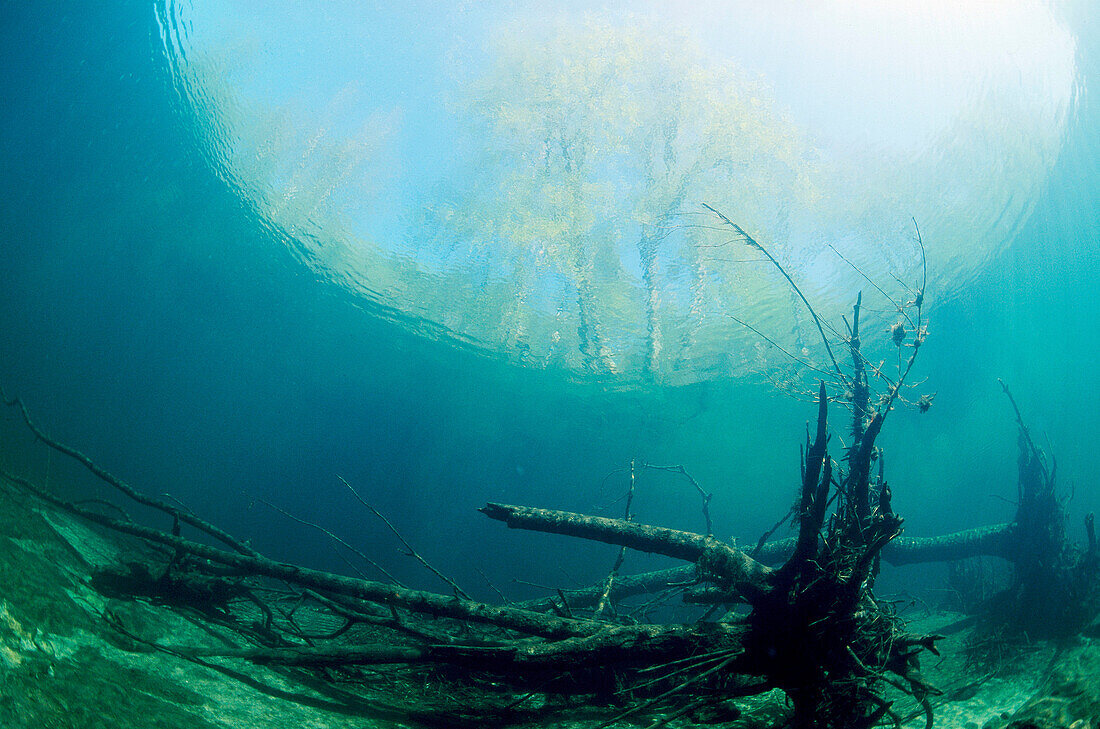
(996, 540)
(814, 630)
(430, 603)
(625, 586)
(719, 560)
(801, 620)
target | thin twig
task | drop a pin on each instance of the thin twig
(662, 696)
(778, 346)
(176, 513)
(605, 595)
(898, 307)
(411, 552)
(334, 538)
(691, 479)
(752, 242)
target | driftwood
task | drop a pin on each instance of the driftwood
(810, 626)
(996, 540)
(803, 606)
(1055, 587)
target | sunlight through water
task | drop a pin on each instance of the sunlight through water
(531, 182)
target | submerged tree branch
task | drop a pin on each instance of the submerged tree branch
(716, 558)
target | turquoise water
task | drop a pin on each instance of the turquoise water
(163, 311)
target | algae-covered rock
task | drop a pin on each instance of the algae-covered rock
(1070, 697)
(64, 665)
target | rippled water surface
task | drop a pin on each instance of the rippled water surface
(532, 179)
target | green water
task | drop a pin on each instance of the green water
(159, 310)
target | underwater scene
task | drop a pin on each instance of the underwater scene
(560, 364)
